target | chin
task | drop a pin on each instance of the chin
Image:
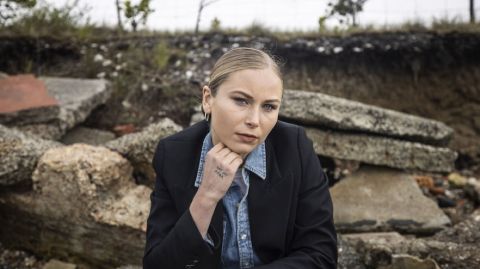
(242, 148)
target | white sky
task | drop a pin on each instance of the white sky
(280, 14)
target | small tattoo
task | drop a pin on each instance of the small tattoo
(219, 171)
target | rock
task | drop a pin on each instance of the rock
(325, 110)
(139, 148)
(121, 130)
(457, 180)
(130, 267)
(4, 75)
(80, 134)
(466, 232)
(197, 117)
(348, 258)
(424, 181)
(403, 261)
(444, 202)
(382, 151)
(56, 264)
(19, 154)
(436, 191)
(390, 237)
(84, 204)
(76, 99)
(382, 199)
(399, 252)
(25, 100)
(398, 261)
(472, 188)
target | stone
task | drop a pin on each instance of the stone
(472, 188)
(140, 147)
(388, 237)
(457, 180)
(130, 267)
(121, 130)
(424, 181)
(25, 100)
(466, 232)
(445, 202)
(418, 253)
(84, 204)
(382, 151)
(404, 261)
(337, 113)
(374, 199)
(348, 258)
(56, 264)
(19, 154)
(3, 75)
(453, 247)
(76, 99)
(80, 134)
(197, 117)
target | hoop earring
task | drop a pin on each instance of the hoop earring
(207, 116)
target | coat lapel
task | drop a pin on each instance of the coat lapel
(269, 204)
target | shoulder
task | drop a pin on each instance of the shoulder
(284, 132)
(182, 146)
(195, 132)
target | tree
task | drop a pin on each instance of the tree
(203, 3)
(119, 19)
(10, 8)
(472, 11)
(138, 12)
(345, 8)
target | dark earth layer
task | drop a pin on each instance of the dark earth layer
(423, 73)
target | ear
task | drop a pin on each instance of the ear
(207, 99)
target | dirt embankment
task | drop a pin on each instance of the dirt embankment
(431, 75)
(428, 74)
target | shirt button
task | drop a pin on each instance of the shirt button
(247, 263)
(238, 204)
(244, 236)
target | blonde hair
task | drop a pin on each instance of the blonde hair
(240, 59)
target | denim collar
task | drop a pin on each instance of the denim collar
(256, 161)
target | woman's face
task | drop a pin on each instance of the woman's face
(245, 109)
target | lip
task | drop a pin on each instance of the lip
(247, 137)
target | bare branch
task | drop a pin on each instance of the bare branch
(210, 2)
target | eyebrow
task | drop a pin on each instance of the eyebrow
(250, 97)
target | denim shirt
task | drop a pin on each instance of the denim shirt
(237, 250)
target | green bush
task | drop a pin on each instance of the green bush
(69, 19)
(161, 55)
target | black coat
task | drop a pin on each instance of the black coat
(290, 212)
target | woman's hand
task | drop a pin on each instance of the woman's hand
(220, 167)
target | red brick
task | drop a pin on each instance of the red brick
(23, 92)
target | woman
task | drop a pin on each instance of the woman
(240, 189)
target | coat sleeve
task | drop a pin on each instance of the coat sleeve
(314, 244)
(173, 241)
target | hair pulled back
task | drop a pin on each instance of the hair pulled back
(240, 59)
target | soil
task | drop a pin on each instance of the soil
(428, 74)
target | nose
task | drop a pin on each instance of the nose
(253, 118)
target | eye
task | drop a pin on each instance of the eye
(240, 100)
(269, 107)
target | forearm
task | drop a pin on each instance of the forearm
(201, 209)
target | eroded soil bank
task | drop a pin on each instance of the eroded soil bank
(428, 74)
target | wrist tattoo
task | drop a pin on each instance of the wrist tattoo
(219, 171)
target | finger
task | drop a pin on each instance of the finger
(231, 157)
(237, 162)
(224, 152)
(218, 147)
